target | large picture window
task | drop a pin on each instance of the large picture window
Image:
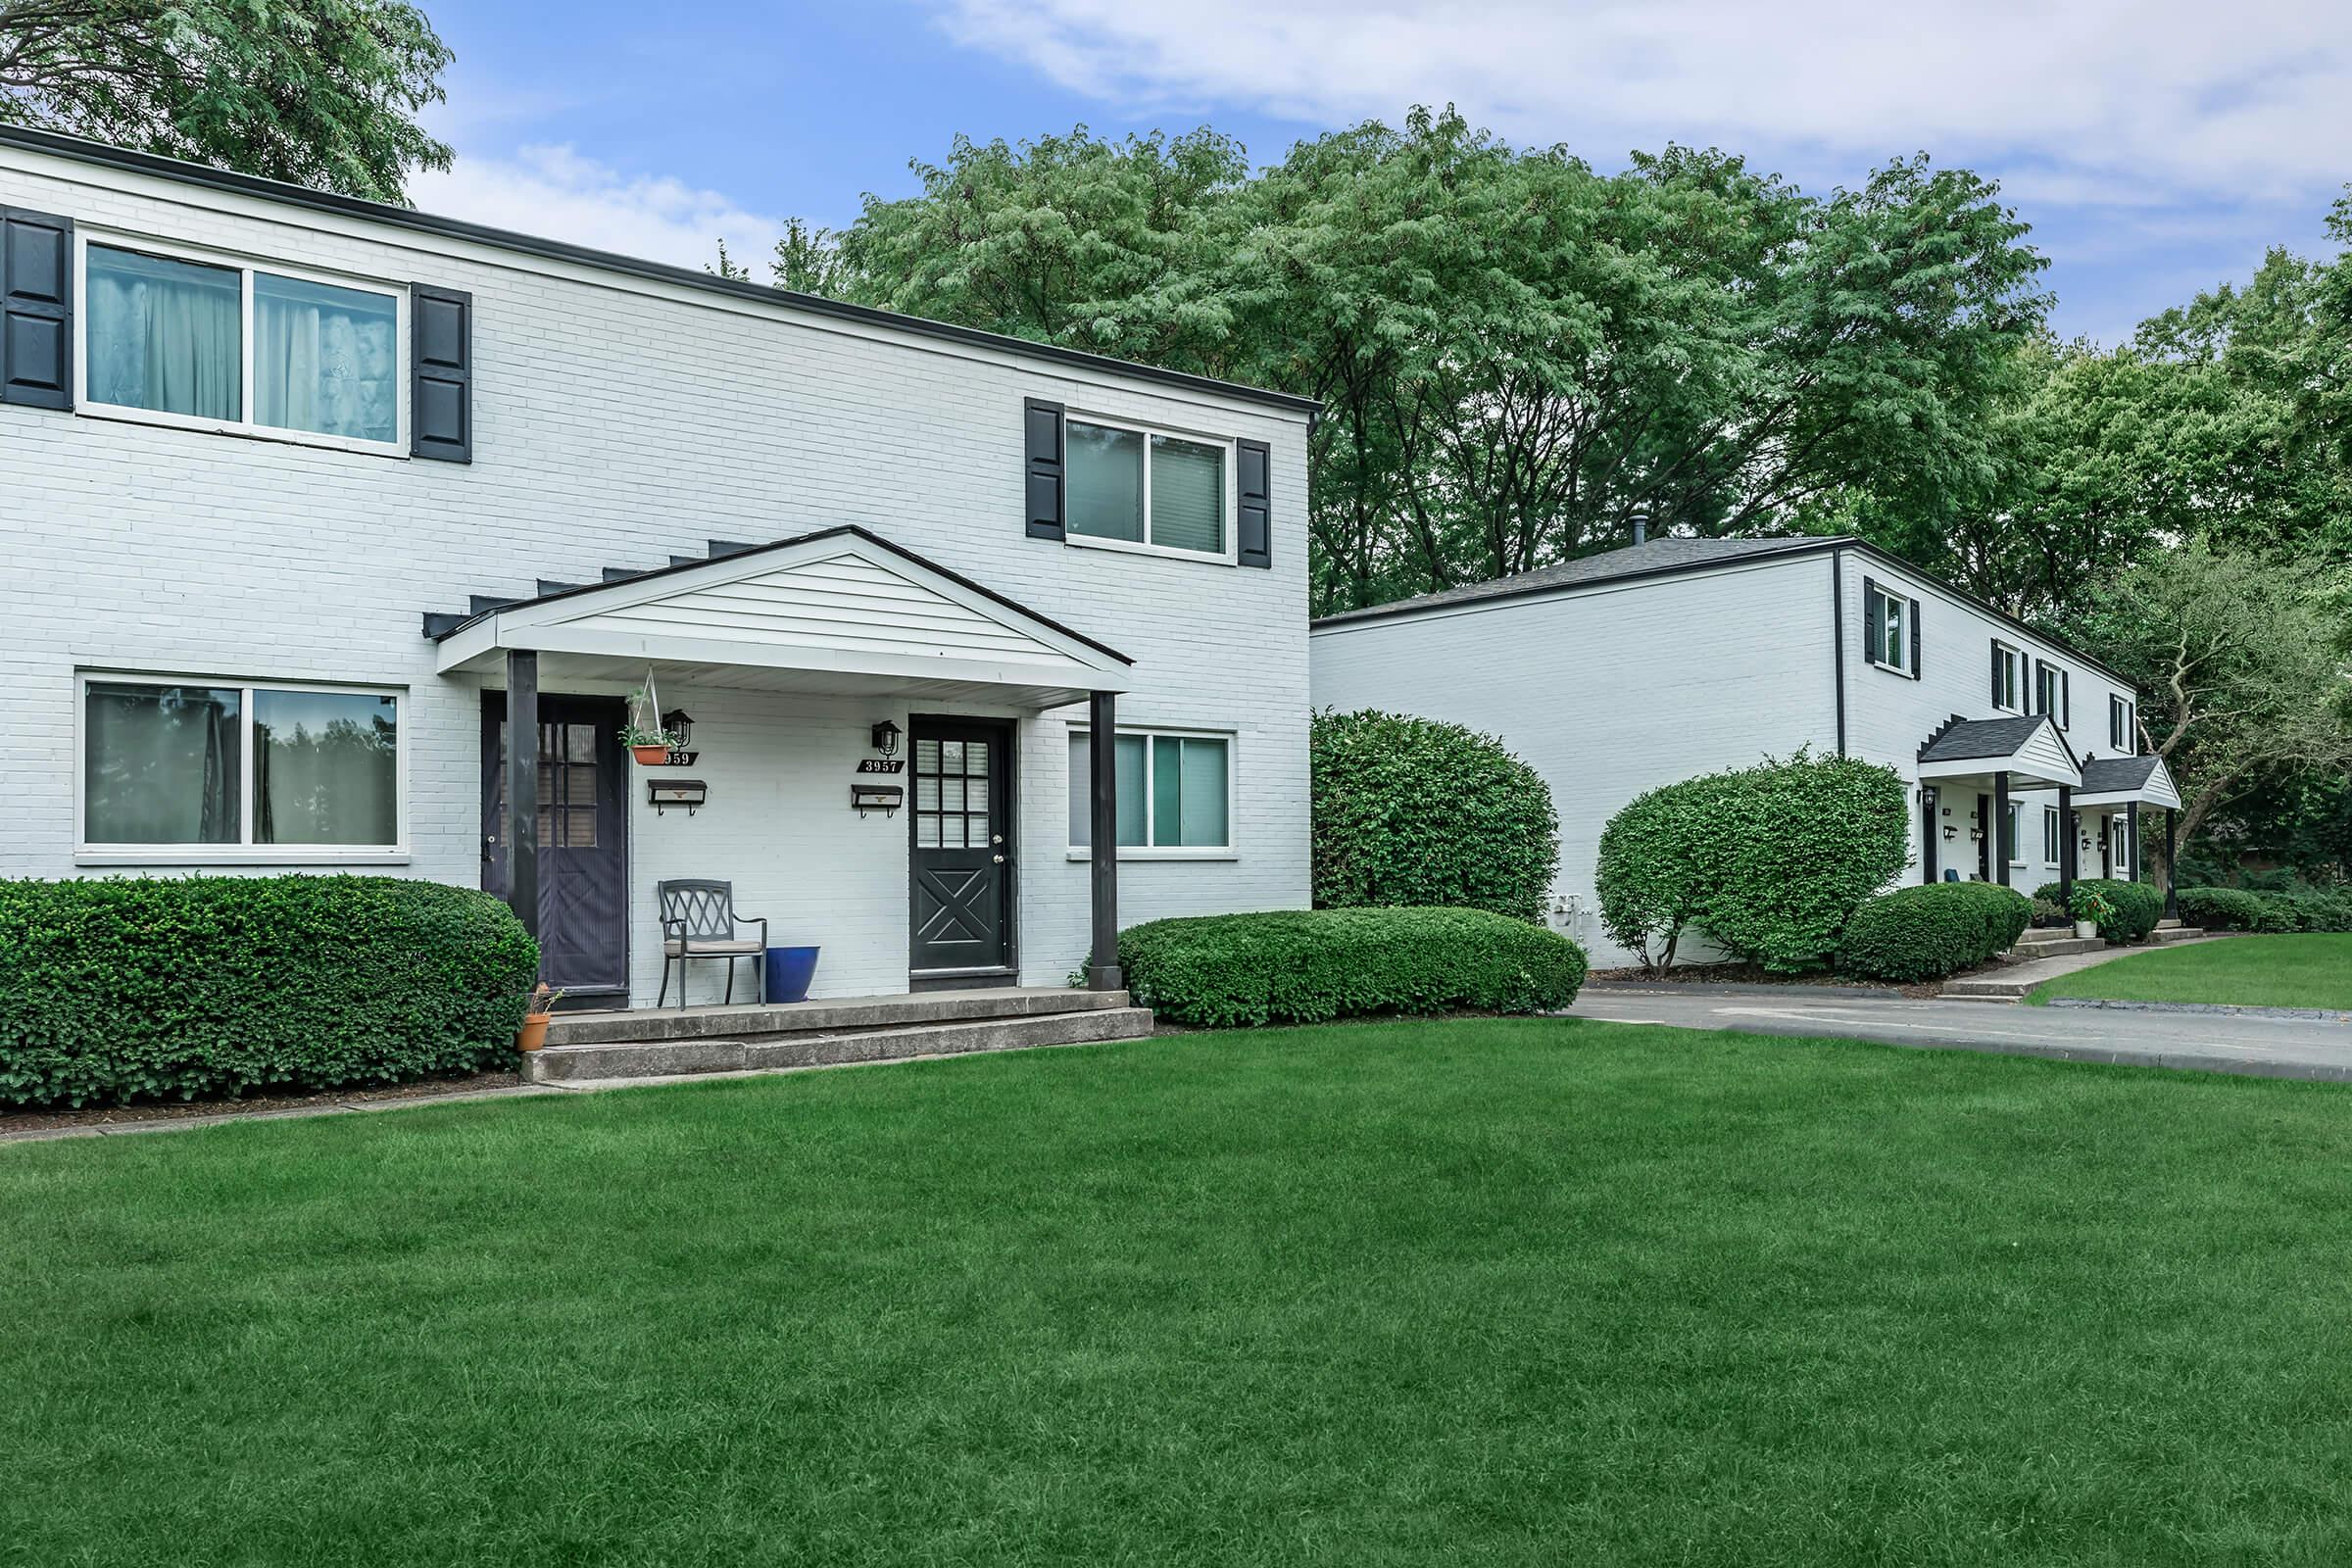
(238, 770)
(1175, 791)
(227, 346)
(1136, 487)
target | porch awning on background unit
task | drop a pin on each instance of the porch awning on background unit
(2029, 748)
(841, 611)
(2127, 781)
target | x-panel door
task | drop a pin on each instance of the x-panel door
(960, 845)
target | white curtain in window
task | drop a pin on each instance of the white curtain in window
(164, 335)
(325, 768)
(325, 359)
(160, 765)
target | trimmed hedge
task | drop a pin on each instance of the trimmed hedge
(2267, 912)
(1929, 932)
(121, 988)
(1769, 862)
(1412, 812)
(1312, 965)
(2138, 905)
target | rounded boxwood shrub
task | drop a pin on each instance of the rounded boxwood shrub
(1412, 811)
(121, 988)
(1769, 862)
(1309, 965)
(2220, 908)
(1925, 933)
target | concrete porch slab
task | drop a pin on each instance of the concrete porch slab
(833, 1015)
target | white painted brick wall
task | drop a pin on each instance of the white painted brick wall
(618, 421)
(1609, 692)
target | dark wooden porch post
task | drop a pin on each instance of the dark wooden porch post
(1102, 833)
(2131, 841)
(1927, 833)
(2000, 826)
(521, 827)
(2172, 863)
(2065, 846)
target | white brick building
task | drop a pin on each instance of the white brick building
(1619, 672)
(297, 484)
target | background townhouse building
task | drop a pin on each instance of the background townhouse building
(1619, 672)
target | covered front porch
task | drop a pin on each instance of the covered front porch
(871, 741)
(1974, 771)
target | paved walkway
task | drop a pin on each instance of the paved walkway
(2270, 1046)
(2014, 980)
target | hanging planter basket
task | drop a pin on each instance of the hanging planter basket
(649, 744)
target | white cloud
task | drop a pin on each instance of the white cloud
(556, 193)
(2252, 99)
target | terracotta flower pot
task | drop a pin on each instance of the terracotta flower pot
(650, 756)
(534, 1033)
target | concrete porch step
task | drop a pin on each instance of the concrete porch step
(803, 1047)
(2051, 944)
(831, 1015)
(2174, 932)
(1987, 988)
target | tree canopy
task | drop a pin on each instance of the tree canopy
(321, 92)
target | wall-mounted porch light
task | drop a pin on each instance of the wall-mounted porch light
(1951, 830)
(886, 738)
(680, 729)
(664, 793)
(883, 798)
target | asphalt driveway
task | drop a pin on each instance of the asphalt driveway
(2278, 1047)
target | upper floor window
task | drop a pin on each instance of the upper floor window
(2008, 678)
(2122, 729)
(1891, 629)
(2051, 692)
(1141, 488)
(2052, 834)
(219, 345)
(238, 769)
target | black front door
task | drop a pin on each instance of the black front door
(583, 838)
(960, 845)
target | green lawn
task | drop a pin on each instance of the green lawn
(1523, 1291)
(2300, 971)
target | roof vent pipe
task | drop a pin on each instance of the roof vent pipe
(1640, 527)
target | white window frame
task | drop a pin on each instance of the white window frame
(2016, 664)
(176, 251)
(2052, 701)
(1230, 850)
(244, 851)
(2053, 837)
(2127, 714)
(1901, 663)
(1230, 527)
(2016, 833)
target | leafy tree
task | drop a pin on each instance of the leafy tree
(2241, 667)
(321, 92)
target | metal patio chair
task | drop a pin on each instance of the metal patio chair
(699, 922)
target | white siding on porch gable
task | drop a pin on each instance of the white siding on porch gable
(1608, 690)
(841, 601)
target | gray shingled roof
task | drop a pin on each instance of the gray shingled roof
(1658, 554)
(1980, 737)
(2102, 774)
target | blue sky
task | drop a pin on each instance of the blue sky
(2156, 146)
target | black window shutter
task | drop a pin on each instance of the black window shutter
(1997, 693)
(2065, 699)
(1257, 492)
(1040, 425)
(1914, 639)
(440, 374)
(36, 308)
(1874, 623)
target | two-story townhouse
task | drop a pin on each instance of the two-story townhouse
(308, 497)
(1622, 671)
